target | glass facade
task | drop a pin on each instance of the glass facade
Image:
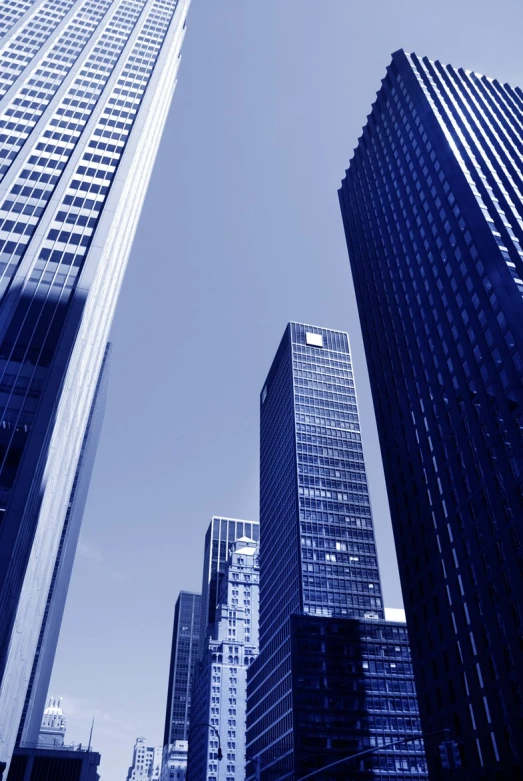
(311, 443)
(353, 689)
(317, 549)
(85, 87)
(220, 536)
(432, 205)
(184, 655)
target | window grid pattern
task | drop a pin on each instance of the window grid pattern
(362, 668)
(31, 336)
(317, 548)
(338, 551)
(37, 317)
(37, 181)
(28, 41)
(25, 109)
(12, 12)
(184, 655)
(432, 213)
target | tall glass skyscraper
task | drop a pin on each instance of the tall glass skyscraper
(310, 442)
(85, 86)
(319, 576)
(432, 206)
(184, 655)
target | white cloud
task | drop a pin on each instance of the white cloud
(92, 554)
(89, 552)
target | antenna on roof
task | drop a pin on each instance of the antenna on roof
(90, 735)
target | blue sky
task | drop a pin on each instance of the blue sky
(240, 233)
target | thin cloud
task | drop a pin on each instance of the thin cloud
(79, 714)
(89, 552)
(92, 554)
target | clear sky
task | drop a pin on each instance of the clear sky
(240, 233)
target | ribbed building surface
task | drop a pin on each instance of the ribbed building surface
(85, 86)
(433, 213)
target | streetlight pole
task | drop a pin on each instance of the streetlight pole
(373, 751)
(204, 724)
(257, 763)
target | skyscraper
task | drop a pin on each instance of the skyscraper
(85, 87)
(220, 690)
(432, 205)
(319, 577)
(40, 677)
(220, 535)
(184, 655)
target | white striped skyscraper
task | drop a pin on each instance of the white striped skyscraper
(85, 87)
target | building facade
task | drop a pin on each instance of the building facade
(85, 87)
(353, 689)
(220, 536)
(35, 697)
(318, 555)
(147, 762)
(184, 655)
(432, 205)
(220, 690)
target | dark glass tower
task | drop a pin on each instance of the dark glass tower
(310, 442)
(85, 87)
(184, 654)
(433, 213)
(319, 577)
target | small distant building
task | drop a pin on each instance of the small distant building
(220, 689)
(53, 764)
(147, 762)
(52, 731)
(174, 763)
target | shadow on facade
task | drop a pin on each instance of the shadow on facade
(329, 697)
